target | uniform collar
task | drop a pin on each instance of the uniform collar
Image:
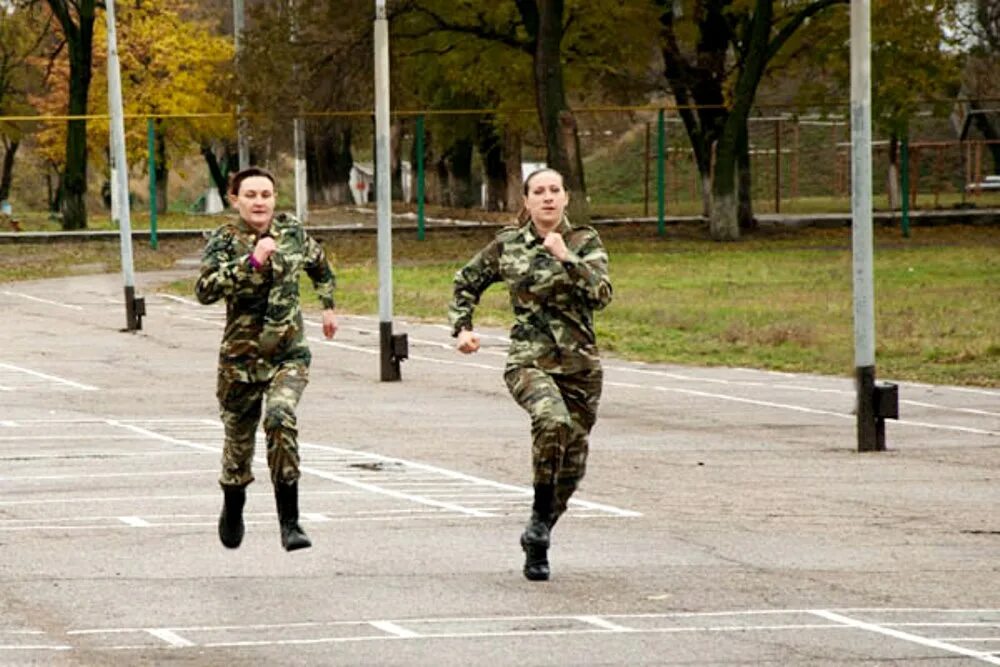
(245, 228)
(530, 233)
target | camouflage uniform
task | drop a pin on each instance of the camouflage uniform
(553, 366)
(263, 356)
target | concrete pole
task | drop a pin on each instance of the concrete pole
(243, 147)
(134, 308)
(389, 362)
(862, 232)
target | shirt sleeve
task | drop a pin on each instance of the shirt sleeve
(222, 270)
(469, 284)
(320, 272)
(588, 269)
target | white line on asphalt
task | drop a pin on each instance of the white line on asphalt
(682, 377)
(478, 480)
(394, 629)
(53, 378)
(318, 473)
(604, 623)
(402, 629)
(178, 299)
(96, 436)
(108, 475)
(34, 647)
(170, 637)
(948, 408)
(393, 494)
(794, 408)
(137, 498)
(906, 636)
(45, 301)
(133, 521)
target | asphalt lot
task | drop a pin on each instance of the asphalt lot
(726, 517)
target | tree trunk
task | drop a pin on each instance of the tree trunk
(745, 182)
(216, 171)
(892, 175)
(461, 187)
(562, 140)
(328, 164)
(494, 165)
(514, 196)
(698, 80)
(7, 170)
(396, 130)
(724, 219)
(79, 41)
(161, 169)
(54, 190)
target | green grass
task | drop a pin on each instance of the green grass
(778, 299)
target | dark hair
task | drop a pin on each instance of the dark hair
(236, 180)
(527, 181)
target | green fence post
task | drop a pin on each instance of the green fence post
(661, 180)
(905, 185)
(151, 141)
(420, 177)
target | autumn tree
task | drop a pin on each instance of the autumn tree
(172, 70)
(22, 33)
(436, 67)
(560, 40)
(310, 60)
(915, 66)
(715, 54)
(169, 66)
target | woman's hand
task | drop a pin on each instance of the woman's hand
(264, 249)
(329, 323)
(555, 244)
(468, 342)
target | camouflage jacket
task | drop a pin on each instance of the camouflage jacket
(263, 318)
(553, 301)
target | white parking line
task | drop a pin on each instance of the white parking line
(906, 636)
(46, 376)
(45, 301)
(170, 637)
(790, 621)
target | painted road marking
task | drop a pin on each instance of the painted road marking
(907, 636)
(791, 622)
(51, 379)
(45, 301)
(438, 492)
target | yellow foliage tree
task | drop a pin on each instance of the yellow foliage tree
(174, 71)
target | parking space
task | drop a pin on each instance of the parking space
(725, 517)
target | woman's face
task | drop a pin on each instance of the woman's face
(546, 200)
(255, 202)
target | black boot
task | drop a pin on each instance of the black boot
(287, 498)
(535, 538)
(231, 526)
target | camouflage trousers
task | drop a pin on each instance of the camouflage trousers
(563, 409)
(240, 405)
